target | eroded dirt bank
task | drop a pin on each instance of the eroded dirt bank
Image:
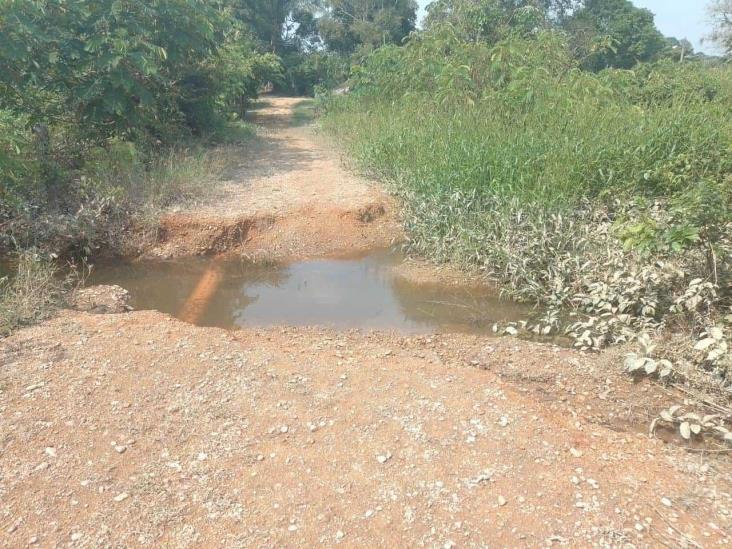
(290, 197)
(137, 429)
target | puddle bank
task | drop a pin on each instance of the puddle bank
(339, 293)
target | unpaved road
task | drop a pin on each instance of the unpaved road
(290, 197)
(136, 429)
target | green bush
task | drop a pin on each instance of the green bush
(303, 73)
(16, 167)
(96, 95)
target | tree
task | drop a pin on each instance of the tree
(614, 33)
(347, 25)
(720, 12)
(678, 50)
(272, 21)
(114, 67)
(489, 20)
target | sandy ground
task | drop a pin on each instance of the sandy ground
(289, 198)
(138, 429)
(135, 429)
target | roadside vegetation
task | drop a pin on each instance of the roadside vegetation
(34, 292)
(111, 111)
(590, 173)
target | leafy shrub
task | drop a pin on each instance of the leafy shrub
(94, 98)
(15, 167)
(303, 73)
(602, 195)
(240, 73)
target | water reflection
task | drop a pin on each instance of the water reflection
(354, 293)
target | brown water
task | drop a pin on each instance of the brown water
(352, 293)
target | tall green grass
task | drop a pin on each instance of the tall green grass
(607, 198)
(511, 145)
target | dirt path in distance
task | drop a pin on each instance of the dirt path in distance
(289, 198)
(137, 429)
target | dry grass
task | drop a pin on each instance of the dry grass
(35, 292)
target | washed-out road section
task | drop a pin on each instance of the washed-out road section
(137, 429)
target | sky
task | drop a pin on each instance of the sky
(677, 18)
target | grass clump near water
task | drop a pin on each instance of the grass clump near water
(603, 197)
(33, 293)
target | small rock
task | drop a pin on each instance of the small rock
(284, 429)
(292, 527)
(503, 422)
(575, 452)
(592, 482)
(50, 451)
(202, 456)
(368, 513)
(383, 458)
(666, 502)
(339, 534)
(502, 501)
(121, 497)
(76, 536)
(120, 449)
(33, 540)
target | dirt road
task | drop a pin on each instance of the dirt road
(136, 429)
(290, 197)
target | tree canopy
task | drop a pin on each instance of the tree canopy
(632, 33)
(347, 25)
(720, 12)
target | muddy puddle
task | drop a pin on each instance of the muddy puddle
(340, 293)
